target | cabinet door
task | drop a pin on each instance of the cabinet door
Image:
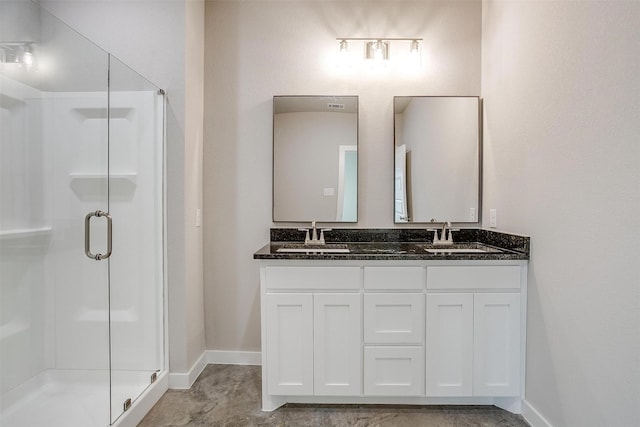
(393, 371)
(449, 347)
(337, 344)
(394, 318)
(496, 367)
(289, 344)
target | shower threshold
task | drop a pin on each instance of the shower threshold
(70, 398)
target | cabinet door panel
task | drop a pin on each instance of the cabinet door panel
(393, 371)
(394, 318)
(496, 368)
(449, 347)
(337, 344)
(289, 344)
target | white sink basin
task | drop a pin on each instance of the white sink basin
(316, 249)
(456, 251)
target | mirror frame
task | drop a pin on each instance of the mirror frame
(357, 143)
(478, 221)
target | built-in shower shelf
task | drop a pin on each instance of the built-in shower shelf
(130, 177)
(23, 233)
(87, 185)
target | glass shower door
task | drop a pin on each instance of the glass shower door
(54, 314)
(136, 205)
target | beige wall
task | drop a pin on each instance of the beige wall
(258, 49)
(193, 132)
(560, 82)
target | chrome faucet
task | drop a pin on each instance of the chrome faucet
(314, 240)
(444, 239)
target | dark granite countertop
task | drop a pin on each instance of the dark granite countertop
(399, 244)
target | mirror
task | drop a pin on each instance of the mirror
(437, 158)
(315, 158)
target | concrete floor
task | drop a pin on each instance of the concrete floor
(229, 395)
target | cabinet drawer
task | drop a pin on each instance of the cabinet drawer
(394, 318)
(473, 277)
(278, 277)
(394, 278)
(393, 371)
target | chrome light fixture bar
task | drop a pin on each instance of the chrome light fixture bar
(377, 48)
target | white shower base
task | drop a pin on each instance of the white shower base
(65, 398)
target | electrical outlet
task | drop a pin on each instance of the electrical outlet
(198, 217)
(329, 191)
(493, 218)
(472, 214)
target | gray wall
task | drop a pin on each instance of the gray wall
(562, 164)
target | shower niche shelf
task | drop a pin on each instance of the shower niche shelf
(32, 239)
(85, 185)
(24, 233)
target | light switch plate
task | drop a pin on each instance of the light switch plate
(329, 191)
(493, 218)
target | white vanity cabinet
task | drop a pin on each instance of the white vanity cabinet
(414, 331)
(311, 335)
(473, 330)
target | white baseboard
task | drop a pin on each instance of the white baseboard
(218, 357)
(533, 417)
(221, 357)
(186, 380)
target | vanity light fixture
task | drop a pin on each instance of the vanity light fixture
(20, 53)
(377, 50)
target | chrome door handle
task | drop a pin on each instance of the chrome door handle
(87, 235)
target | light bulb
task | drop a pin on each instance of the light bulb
(27, 59)
(377, 53)
(344, 58)
(414, 54)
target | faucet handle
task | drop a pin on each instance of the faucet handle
(322, 230)
(306, 237)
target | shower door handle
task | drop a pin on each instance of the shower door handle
(87, 235)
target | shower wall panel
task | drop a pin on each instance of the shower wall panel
(75, 123)
(78, 124)
(25, 235)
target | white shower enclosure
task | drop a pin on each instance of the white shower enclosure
(82, 337)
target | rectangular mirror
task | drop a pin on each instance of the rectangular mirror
(437, 158)
(315, 158)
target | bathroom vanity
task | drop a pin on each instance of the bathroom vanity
(394, 320)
